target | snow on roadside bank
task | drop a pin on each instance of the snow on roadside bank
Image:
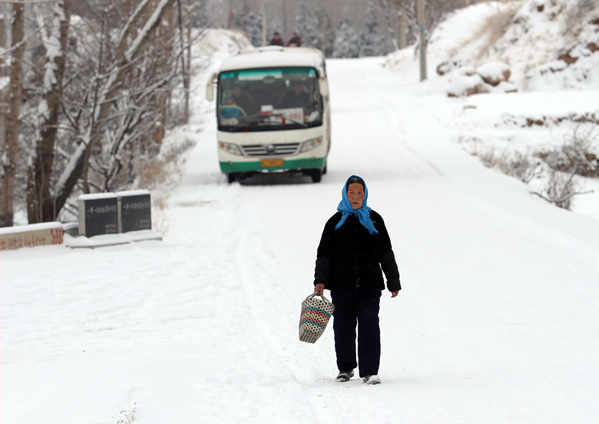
(542, 130)
(547, 44)
(551, 108)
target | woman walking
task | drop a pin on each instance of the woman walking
(353, 248)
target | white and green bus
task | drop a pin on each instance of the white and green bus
(273, 113)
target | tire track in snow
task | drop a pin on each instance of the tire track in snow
(394, 115)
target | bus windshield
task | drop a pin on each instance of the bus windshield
(269, 98)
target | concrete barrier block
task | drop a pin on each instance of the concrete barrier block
(47, 233)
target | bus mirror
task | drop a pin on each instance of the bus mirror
(210, 88)
(323, 87)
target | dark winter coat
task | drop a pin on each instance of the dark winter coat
(351, 255)
(276, 42)
(294, 42)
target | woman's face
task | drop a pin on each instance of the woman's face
(355, 194)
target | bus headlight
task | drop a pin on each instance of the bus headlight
(230, 148)
(311, 144)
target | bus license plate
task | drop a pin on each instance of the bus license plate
(271, 163)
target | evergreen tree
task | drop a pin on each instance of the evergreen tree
(346, 43)
(306, 28)
(343, 20)
(372, 41)
(325, 30)
(253, 28)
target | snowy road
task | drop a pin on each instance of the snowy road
(497, 320)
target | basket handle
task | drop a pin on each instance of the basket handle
(321, 296)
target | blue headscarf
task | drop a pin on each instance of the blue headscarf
(362, 213)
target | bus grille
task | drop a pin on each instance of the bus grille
(289, 149)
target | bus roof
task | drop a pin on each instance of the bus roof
(274, 56)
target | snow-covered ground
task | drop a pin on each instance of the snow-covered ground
(496, 322)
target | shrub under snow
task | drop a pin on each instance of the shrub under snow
(465, 82)
(495, 72)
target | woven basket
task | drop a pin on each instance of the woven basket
(314, 318)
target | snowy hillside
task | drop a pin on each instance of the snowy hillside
(548, 44)
(546, 132)
(496, 321)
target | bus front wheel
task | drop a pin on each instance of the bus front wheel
(316, 175)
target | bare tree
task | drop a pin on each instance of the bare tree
(98, 106)
(10, 151)
(186, 83)
(40, 203)
(112, 103)
(95, 110)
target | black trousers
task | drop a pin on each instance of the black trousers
(361, 307)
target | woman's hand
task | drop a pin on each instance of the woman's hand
(319, 289)
(394, 293)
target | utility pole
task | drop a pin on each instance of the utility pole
(421, 23)
(264, 22)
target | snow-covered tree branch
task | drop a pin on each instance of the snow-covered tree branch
(126, 90)
(99, 90)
